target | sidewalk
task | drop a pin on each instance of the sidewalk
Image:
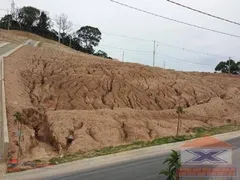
(5, 50)
(103, 161)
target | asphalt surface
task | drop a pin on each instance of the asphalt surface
(144, 169)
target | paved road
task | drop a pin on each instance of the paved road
(146, 169)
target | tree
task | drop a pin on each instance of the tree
(28, 17)
(63, 25)
(89, 37)
(231, 65)
(174, 164)
(179, 112)
(75, 44)
(19, 121)
(44, 23)
(222, 66)
(5, 21)
(101, 54)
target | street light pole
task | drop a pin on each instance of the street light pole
(59, 30)
(70, 44)
(154, 52)
(229, 64)
(8, 20)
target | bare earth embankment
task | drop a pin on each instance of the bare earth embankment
(104, 103)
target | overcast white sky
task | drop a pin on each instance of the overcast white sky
(114, 19)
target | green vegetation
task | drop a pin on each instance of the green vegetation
(201, 132)
(179, 112)
(40, 44)
(228, 66)
(31, 19)
(90, 37)
(19, 121)
(197, 132)
(103, 54)
(173, 162)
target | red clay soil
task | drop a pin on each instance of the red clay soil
(100, 102)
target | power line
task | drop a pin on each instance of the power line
(183, 60)
(165, 44)
(4, 10)
(159, 42)
(129, 50)
(189, 50)
(174, 20)
(199, 11)
(119, 35)
(123, 36)
(192, 51)
(157, 53)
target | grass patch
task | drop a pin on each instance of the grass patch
(197, 132)
(201, 132)
(40, 44)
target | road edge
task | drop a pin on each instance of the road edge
(103, 161)
(5, 136)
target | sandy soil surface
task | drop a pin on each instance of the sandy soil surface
(3, 168)
(102, 102)
(10, 36)
(15, 36)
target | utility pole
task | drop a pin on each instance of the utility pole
(8, 19)
(123, 56)
(60, 25)
(229, 65)
(164, 64)
(13, 13)
(70, 44)
(154, 52)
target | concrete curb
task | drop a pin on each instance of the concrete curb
(4, 117)
(15, 49)
(4, 110)
(4, 44)
(103, 161)
(36, 44)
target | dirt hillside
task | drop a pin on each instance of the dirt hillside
(10, 36)
(102, 102)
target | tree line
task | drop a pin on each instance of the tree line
(33, 20)
(229, 66)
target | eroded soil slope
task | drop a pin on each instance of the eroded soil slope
(101, 102)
